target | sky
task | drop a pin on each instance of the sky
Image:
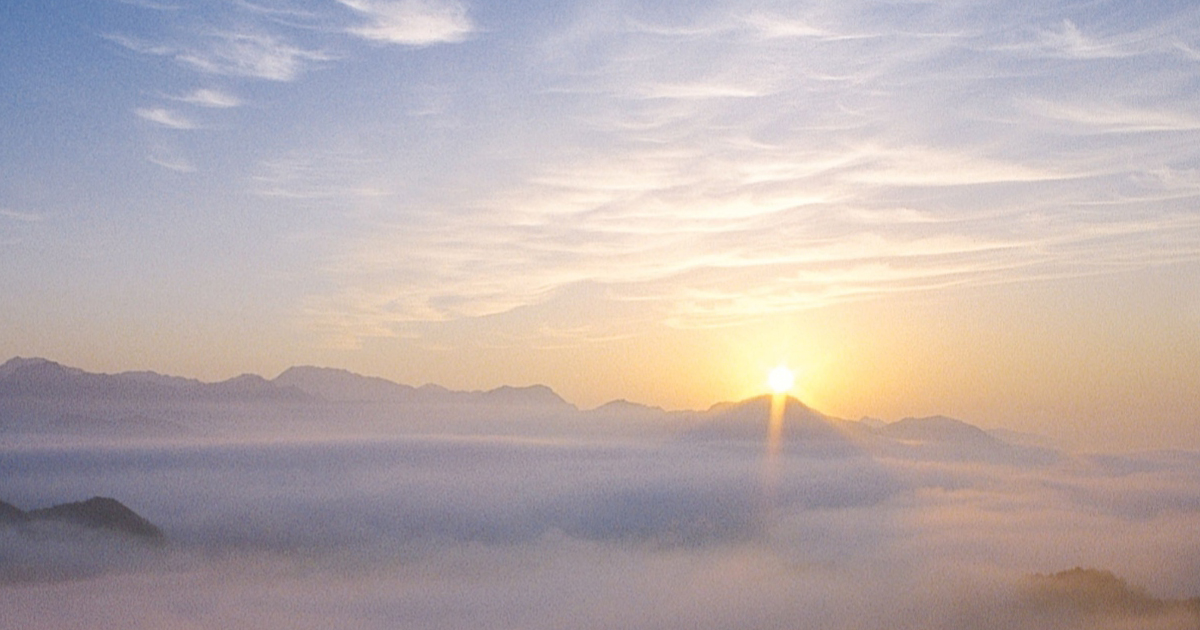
(976, 208)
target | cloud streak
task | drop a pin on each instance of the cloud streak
(165, 118)
(23, 217)
(251, 55)
(205, 97)
(411, 22)
(177, 164)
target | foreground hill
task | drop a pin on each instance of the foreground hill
(97, 513)
(1099, 596)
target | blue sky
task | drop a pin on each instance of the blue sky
(581, 193)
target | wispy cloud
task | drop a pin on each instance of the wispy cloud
(412, 22)
(1109, 39)
(252, 55)
(139, 45)
(285, 13)
(23, 217)
(337, 176)
(698, 91)
(1069, 41)
(1108, 117)
(165, 117)
(177, 164)
(926, 166)
(1189, 51)
(205, 97)
(769, 26)
(151, 4)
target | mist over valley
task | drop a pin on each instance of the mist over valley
(324, 498)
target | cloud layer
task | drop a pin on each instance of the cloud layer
(444, 532)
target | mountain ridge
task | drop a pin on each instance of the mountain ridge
(43, 378)
(51, 398)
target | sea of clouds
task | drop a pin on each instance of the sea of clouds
(433, 532)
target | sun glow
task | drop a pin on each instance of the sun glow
(781, 380)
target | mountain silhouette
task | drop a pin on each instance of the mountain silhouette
(1102, 594)
(748, 419)
(39, 396)
(531, 396)
(10, 514)
(334, 385)
(101, 513)
(802, 428)
(44, 379)
(938, 429)
(944, 438)
(627, 409)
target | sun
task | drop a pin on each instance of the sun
(781, 380)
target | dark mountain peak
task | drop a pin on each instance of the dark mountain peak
(154, 378)
(760, 407)
(251, 386)
(17, 363)
(309, 373)
(947, 439)
(47, 379)
(938, 429)
(749, 419)
(533, 395)
(37, 368)
(1100, 591)
(245, 381)
(11, 514)
(338, 385)
(96, 513)
(625, 407)
(872, 423)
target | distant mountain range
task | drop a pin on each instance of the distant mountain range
(36, 378)
(41, 396)
(41, 378)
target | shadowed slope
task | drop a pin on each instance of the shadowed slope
(95, 513)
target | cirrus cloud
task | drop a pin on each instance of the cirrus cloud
(165, 117)
(412, 22)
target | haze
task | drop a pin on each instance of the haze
(322, 498)
(983, 209)
(460, 314)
